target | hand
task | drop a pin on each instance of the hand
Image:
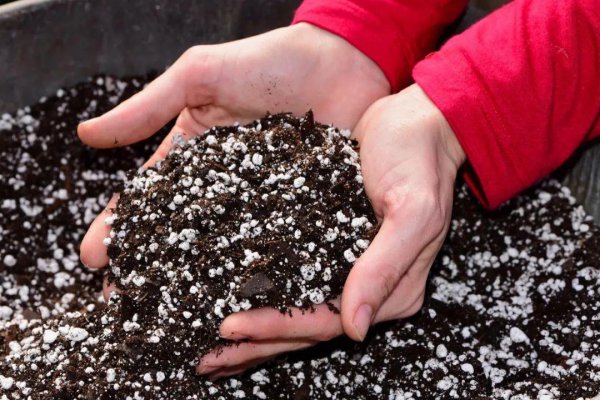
(289, 69)
(410, 158)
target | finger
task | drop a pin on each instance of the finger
(186, 127)
(108, 288)
(226, 372)
(140, 116)
(163, 149)
(93, 249)
(269, 323)
(236, 355)
(378, 271)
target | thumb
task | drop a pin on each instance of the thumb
(377, 272)
(149, 110)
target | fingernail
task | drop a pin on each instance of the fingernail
(362, 321)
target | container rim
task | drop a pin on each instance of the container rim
(20, 5)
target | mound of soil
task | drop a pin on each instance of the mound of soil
(511, 312)
(268, 214)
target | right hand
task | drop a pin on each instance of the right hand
(410, 157)
(291, 69)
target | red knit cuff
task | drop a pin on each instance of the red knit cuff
(449, 82)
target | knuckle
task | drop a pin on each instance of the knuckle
(202, 57)
(198, 68)
(193, 62)
(398, 200)
(393, 199)
(395, 202)
(428, 201)
(192, 53)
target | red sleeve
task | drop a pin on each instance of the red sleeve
(395, 34)
(521, 91)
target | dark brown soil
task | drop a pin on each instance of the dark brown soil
(511, 313)
(272, 213)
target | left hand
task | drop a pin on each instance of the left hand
(285, 70)
(410, 158)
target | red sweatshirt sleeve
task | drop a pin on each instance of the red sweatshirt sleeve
(395, 34)
(521, 91)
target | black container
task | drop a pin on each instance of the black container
(48, 44)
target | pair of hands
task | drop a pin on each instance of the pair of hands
(409, 157)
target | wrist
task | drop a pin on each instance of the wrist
(449, 143)
(342, 54)
(418, 120)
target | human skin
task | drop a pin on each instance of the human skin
(291, 69)
(410, 158)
